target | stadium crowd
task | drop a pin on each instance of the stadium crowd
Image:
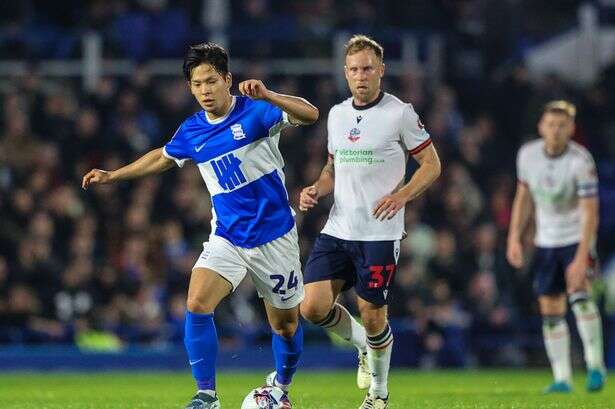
(115, 259)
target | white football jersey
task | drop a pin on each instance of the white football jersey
(556, 183)
(370, 146)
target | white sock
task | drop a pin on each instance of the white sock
(557, 343)
(208, 392)
(340, 322)
(379, 349)
(590, 329)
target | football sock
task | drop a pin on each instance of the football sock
(208, 392)
(590, 329)
(286, 352)
(201, 342)
(340, 322)
(379, 349)
(557, 343)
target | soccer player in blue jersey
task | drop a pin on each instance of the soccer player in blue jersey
(234, 142)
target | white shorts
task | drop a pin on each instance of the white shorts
(275, 267)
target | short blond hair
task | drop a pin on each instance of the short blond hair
(360, 42)
(561, 106)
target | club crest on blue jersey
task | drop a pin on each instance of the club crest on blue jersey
(237, 132)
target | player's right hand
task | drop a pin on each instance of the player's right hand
(514, 253)
(308, 198)
(96, 176)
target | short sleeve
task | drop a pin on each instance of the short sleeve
(274, 119)
(586, 177)
(413, 133)
(177, 148)
(521, 172)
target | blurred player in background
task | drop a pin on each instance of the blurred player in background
(234, 142)
(369, 138)
(559, 178)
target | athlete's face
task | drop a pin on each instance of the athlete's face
(211, 89)
(364, 71)
(556, 129)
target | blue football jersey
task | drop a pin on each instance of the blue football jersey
(241, 164)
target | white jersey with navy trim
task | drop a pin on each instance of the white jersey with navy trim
(556, 183)
(241, 164)
(370, 146)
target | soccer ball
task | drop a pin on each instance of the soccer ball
(266, 397)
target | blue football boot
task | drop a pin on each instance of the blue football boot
(595, 380)
(558, 387)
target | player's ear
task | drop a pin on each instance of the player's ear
(382, 67)
(229, 80)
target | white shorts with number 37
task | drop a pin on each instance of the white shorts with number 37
(275, 267)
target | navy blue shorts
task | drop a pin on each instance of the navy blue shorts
(368, 266)
(549, 268)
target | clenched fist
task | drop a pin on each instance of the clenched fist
(254, 89)
(96, 176)
(308, 198)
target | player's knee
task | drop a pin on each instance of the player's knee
(285, 329)
(313, 312)
(199, 305)
(374, 324)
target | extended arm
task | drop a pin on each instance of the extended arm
(151, 163)
(299, 110)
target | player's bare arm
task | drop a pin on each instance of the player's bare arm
(576, 273)
(151, 163)
(428, 171)
(323, 186)
(299, 110)
(521, 211)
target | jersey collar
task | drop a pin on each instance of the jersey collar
(559, 155)
(371, 104)
(222, 118)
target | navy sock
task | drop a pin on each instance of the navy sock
(286, 352)
(201, 342)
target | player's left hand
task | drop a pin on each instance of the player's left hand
(388, 206)
(254, 89)
(576, 273)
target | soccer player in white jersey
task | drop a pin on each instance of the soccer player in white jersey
(234, 142)
(558, 177)
(370, 136)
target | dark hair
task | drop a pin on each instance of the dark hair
(206, 53)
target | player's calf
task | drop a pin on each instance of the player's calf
(590, 329)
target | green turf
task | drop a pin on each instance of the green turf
(312, 390)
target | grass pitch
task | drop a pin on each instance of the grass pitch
(311, 390)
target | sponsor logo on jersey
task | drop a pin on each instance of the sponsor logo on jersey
(356, 157)
(237, 132)
(354, 134)
(228, 172)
